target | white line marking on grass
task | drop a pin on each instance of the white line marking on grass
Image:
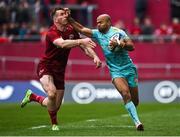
(123, 126)
(100, 126)
(37, 127)
(91, 120)
(125, 115)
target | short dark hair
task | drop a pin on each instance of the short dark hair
(53, 12)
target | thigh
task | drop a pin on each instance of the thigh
(47, 83)
(59, 82)
(121, 84)
(51, 73)
(123, 88)
(59, 76)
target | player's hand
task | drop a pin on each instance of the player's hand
(67, 12)
(87, 42)
(122, 43)
(112, 44)
(97, 61)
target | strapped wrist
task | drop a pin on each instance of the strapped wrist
(78, 42)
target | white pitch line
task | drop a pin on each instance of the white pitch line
(37, 127)
(92, 126)
(120, 126)
(125, 115)
(111, 126)
(91, 120)
(101, 126)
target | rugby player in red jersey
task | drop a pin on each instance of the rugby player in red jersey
(60, 38)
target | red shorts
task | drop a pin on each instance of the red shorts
(55, 70)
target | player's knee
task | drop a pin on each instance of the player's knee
(126, 96)
(52, 93)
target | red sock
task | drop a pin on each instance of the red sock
(37, 98)
(53, 116)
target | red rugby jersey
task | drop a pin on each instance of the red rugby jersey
(54, 53)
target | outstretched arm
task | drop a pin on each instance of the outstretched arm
(80, 28)
(91, 53)
(60, 42)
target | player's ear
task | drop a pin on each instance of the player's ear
(109, 23)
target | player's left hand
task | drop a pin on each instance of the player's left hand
(97, 61)
(112, 44)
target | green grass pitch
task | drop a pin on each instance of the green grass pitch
(96, 119)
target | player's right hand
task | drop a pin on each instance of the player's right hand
(88, 42)
(67, 11)
(97, 61)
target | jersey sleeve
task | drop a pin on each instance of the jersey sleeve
(52, 35)
(95, 34)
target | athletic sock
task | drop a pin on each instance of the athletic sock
(132, 111)
(53, 116)
(36, 98)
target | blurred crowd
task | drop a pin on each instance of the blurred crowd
(29, 19)
(146, 31)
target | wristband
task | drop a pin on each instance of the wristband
(78, 42)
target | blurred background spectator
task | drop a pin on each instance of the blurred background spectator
(3, 13)
(136, 28)
(163, 33)
(176, 30)
(147, 27)
(175, 9)
(83, 12)
(140, 8)
(121, 25)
